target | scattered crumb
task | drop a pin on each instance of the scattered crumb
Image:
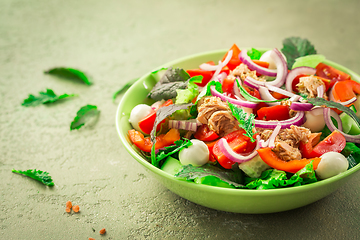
(102, 231)
(91, 238)
(76, 208)
(68, 204)
(68, 210)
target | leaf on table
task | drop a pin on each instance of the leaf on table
(69, 73)
(294, 47)
(38, 175)
(86, 115)
(44, 98)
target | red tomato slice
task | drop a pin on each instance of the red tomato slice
(278, 112)
(329, 72)
(204, 133)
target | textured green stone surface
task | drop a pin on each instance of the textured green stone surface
(114, 42)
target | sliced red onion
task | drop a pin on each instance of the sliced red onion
(243, 56)
(331, 95)
(297, 120)
(320, 91)
(236, 91)
(280, 90)
(332, 127)
(295, 98)
(253, 83)
(328, 113)
(349, 101)
(222, 64)
(281, 69)
(266, 95)
(298, 106)
(208, 67)
(271, 140)
(296, 72)
(221, 77)
(189, 125)
(238, 102)
(234, 156)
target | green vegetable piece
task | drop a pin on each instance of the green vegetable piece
(69, 73)
(172, 166)
(352, 154)
(254, 54)
(213, 181)
(349, 125)
(166, 87)
(229, 176)
(38, 175)
(124, 88)
(246, 122)
(250, 98)
(295, 47)
(188, 94)
(44, 98)
(321, 101)
(161, 114)
(85, 115)
(170, 150)
(308, 61)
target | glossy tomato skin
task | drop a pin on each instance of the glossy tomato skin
(277, 112)
(325, 71)
(204, 133)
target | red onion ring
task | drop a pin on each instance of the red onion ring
(271, 140)
(281, 68)
(236, 157)
(244, 58)
(296, 72)
(222, 64)
(298, 106)
(238, 102)
(266, 95)
(328, 113)
(189, 125)
(297, 120)
(253, 83)
(320, 91)
(280, 90)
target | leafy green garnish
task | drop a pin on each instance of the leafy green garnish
(165, 88)
(218, 87)
(273, 178)
(245, 122)
(250, 98)
(161, 114)
(295, 47)
(191, 172)
(188, 94)
(170, 150)
(69, 73)
(38, 175)
(352, 154)
(321, 101)
(44, 98)
(124, 88)
(85, 114)
(254, 54)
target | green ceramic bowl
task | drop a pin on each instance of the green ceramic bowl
(224, 199)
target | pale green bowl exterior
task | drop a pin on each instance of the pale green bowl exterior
(224, 199)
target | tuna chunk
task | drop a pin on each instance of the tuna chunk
(242, 71)
(309, 85)
(207, 106)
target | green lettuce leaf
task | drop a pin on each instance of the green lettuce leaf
(44, 98)
(254, 54)
(69, 73)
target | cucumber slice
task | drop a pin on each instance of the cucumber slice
(349, 125)
(171, 166)
(212, 181)
(254, 167)
(309, 61)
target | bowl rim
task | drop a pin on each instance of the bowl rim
(208, 188)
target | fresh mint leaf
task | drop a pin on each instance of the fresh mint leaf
(85, 115)
(124, 88)
(254, 54)
(69, 73)
(321, 101)
(245, 122)
(294, 47)
(38, 175)
(44, 98)
(191, 172)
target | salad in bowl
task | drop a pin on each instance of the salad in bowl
(249, 121)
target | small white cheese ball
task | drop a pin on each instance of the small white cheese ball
(267, 58)
(138, 113)
(197, 154)
(314, 122)
(331, 164)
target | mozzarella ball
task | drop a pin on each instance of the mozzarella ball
(138, 113)
(314, 122)
(197, 154)
(267, 58)
(331, 164)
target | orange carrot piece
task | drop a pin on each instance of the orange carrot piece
(76, 208)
